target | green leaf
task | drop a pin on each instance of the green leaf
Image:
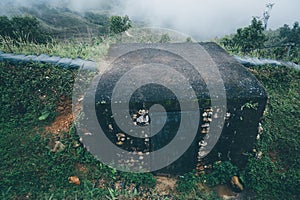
(44, 116)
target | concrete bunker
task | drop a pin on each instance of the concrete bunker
(245, 103)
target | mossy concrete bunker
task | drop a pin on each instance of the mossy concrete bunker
(175, 67)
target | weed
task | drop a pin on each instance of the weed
(221, 173)
(276, 175)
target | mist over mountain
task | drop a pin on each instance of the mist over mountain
(201, 19)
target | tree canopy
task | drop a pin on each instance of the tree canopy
(118, 24)
(248, 38)
(290, 35)
(22, 29)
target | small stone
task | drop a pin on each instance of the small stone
(202, 143)
(141, 112)
(119, 143)
(206, 125)
(258, 137)
(76, 145)
(260, 128)
(208, 110)
(259, 155)
(134, 116)
(204, 131)
(200, 168)
(207, 166)
(141, 157)
(202, 154)
(74, 180)
(227, 116)
(216, 116)
(265, 112)
(121, 135)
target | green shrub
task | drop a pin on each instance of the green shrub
(277, 175)
(23, 29)
(145, 180)
(221, 173)
(29, 91)
(187, 182)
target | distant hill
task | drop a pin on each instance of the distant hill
(64, 23)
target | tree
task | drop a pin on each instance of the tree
(6, 29)
(27, 29)
(165, 38)
(247, 39)
(118, 24)
(251, 37)
(290, 35)
(290, 38)
(22, 29)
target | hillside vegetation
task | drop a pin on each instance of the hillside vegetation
(253, 40)
(42, 157)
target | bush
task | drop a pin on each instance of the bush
(118, 24)
(28, 91)
(276, 175)
(221, 173)
(187, 182)
(22, 29)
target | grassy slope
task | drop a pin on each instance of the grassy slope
(29, 168)
(277, 174)
(64, 23)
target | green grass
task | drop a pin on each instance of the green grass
(93, 49)
(28, 167)
(277, 174)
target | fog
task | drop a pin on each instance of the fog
(205, 19)
(202, 19)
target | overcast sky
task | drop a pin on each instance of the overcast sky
(203, 19)
(206, 19)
